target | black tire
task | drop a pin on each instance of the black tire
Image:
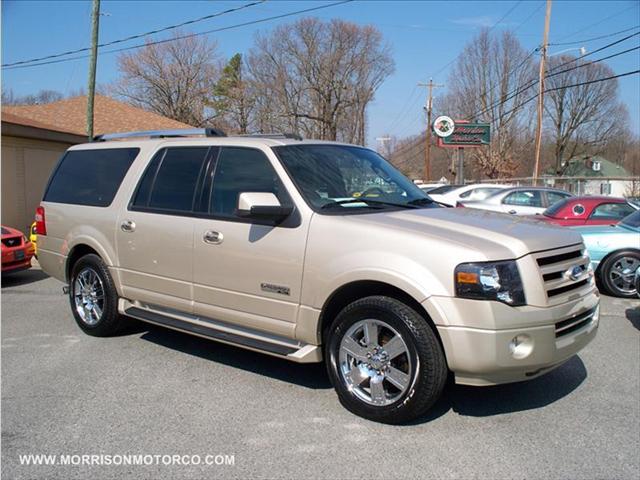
(611, 264)
(110, 321)
(425, 360)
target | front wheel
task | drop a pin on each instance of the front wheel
(617, 273)
(385, 361)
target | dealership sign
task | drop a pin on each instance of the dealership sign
(464, 134)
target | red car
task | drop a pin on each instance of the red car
(576, 211)
(16, 250)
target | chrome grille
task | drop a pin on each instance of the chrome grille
(564, 271)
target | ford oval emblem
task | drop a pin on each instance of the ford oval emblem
(575, 272)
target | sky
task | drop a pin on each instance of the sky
(425, 37)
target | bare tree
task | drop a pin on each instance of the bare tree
(173, 79)
(318, 78)
(582, 118)
(43, 96)
(489, 82)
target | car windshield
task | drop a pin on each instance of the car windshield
(632, 220)
(553, 210)
(348, 178)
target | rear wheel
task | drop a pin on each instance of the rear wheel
(617, 273)
(384, 360)
(93, 297)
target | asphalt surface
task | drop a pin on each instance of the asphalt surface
(154, 391)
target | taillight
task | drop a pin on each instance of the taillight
(41, 227)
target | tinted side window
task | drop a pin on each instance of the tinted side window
(612, 210)
(555, 197)
(524, 199)
(90, 177)
(144, 187)
(173, 185)
(242, 170)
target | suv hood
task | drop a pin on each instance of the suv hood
(497, 236)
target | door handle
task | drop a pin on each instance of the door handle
(512, 212)
(214, 238)
(128, 226)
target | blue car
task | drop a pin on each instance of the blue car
(615, 254)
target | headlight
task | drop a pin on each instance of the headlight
(490, 281)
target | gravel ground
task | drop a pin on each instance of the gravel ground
(154, 391)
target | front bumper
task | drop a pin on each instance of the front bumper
(477, 336)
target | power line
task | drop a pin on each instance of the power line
(587, 40)
(413, 92)
(572, 86)
(521, 89)
(191, 35)
(134, 37)
(401, 112)
(588, 27)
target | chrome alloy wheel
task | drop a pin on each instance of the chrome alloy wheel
(88, 294)
(374, 362)
(622, 274)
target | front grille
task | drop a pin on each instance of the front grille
(559, 258)
(565, 327)
(563, 271)
(12, 241)
(567, 288)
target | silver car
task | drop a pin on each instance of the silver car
(519, 200)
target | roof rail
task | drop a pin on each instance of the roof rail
(292, 135)
(181, 132)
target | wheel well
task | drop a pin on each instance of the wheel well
(76, 254)
(353, 291)
(608, 255)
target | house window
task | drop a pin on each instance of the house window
(605, 188)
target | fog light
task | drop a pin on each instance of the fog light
(521, 346)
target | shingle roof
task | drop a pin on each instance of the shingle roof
(582, 167)
(110, 116)
(28, 122)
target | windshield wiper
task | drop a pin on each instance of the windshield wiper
(427, 201)
(369, 203)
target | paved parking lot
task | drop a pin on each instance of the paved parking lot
(154, 391)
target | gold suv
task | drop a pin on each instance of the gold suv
(310, 250)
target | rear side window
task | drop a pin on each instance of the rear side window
(526, 198)
(614, 211)
(171, 179)
(90, 177)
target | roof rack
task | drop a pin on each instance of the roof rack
(292, 135)
(183, 132)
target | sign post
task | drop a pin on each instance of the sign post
(460, 135)
(460, 167)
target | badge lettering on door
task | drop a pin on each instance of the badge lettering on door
(271, 288)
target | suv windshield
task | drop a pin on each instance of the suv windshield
(632, 220)
(346, 178)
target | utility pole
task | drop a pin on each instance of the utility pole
(91, 87)
(385, 146)
(427, 151)
(543, 58)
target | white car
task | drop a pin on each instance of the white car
(519, 200)
(454, 193)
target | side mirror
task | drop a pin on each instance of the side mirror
(262, 206)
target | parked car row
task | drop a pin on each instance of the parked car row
(609, 225)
